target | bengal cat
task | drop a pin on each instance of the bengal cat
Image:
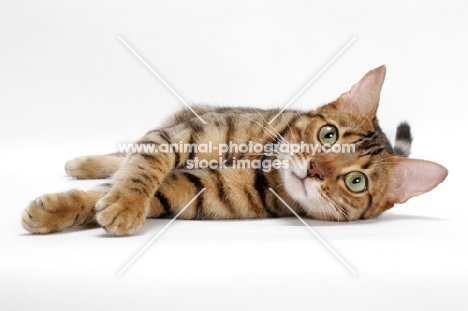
(326, 184)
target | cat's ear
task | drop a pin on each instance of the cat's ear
(364, 96)
(413, 177)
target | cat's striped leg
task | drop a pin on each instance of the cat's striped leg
(94, 166)
(127, 204)
(125, 207)
(59, 211)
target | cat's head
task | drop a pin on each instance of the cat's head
(346, 184)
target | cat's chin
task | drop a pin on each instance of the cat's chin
(307, 189)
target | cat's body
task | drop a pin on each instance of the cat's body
(329, 185)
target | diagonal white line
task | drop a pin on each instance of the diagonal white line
(160, 232)
(161, 79)
(313, 79)
(314, 233)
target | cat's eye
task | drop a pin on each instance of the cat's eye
(328, 135)
(355, 181)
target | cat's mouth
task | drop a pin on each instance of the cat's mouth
(304, 180)
(300, 185)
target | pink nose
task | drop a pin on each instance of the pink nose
(314, 171)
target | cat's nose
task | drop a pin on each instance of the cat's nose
(314, 171)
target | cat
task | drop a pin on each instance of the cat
(326, 185)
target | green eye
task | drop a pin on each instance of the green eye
(328, 135)
(355, 181)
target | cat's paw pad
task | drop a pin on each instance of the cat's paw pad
(122, 213)
(47, 214)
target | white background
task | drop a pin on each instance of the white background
(69, 87)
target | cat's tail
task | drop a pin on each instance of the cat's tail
(403, 140)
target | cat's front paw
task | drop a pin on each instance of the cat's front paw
(49, 213)
(122, 212)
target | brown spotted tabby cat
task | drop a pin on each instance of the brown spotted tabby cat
(339, 186)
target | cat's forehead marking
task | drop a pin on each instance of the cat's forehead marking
(367, 164)
(370, 143)
(305, 121)
(356, 163)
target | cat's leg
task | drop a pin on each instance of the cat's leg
(94, 166)
(59, 211)
(125, 207)
(127, 204)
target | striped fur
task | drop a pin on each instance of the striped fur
(160, 184)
